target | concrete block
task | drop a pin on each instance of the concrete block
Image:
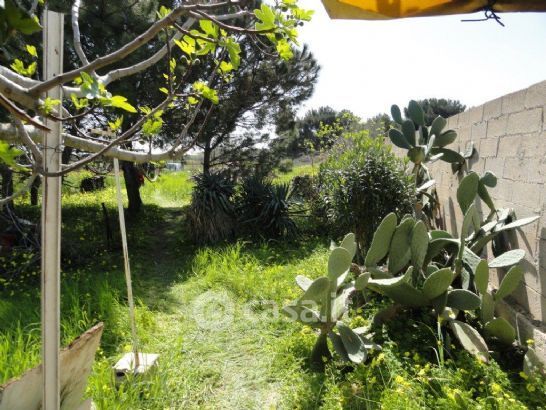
(525, 122)
(503, 190)
(463, 135)
(453, 122)
(524, 194)
(492, 109)
(508, 146)
(532, 145)
(536, 169)
(488, 147)
(475, 114)
(525, 327)
(479, 130)
(496, 127)
(513, 102)
(495, 165)
(532, 301)
(514, 169)
(536, 95)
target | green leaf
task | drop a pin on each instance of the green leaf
(467, 191)
(508, 259)
(356, 351)
(266, 16)
(339, 262)
(408, 129)
(31, 50)
(362, 281)
(489, 179)
(501, 329)
(396, 114)
(234, 51)
(186, 47)
(417, 154)
(9, 154)
(400, 250)
(416, 113)
(349, 243)
(302, 314)
(481, 277)
(119, 101)
(448, 155)
(284, 49)
(484, 195)
(19, 67)
(381, 240)
(209, 28)
(338, 346)
(316, 292)
(437, 283)
(487, 308)
(470, 339)
(471, 222)
(437, 126)
(20, 20)
(463, 299)
(400, 290)
(398, 139)
(419, 244)
(509, 283)
(445, 138)
(518, 223)
(207, 92)
(303, 282)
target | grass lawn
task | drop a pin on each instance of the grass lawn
(211, 313)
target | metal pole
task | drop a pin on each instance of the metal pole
(51, 219)
(126, 265)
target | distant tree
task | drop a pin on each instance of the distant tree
(263, 90)
(440, 106)
(378, 125)
(317, 130)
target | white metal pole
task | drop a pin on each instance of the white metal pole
(126, 265)
(51, 219)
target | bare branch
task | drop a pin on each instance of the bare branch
(76, 32)
(22, 191)
(19, 113)
(27, 140)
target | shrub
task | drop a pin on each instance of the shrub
(211, 215)
(266, 209)
(286, 166)
(359, 184)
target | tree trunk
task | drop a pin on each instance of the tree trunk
(7, 184)
(35, 187)
(206, 158)
(132, 184)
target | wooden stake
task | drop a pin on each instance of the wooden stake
(51, 218)
(126, 265)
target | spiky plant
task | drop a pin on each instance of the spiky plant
(211, 215)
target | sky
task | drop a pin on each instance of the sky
(369, 65)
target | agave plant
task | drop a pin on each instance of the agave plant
(267, 208)
(323, 304)
(211, 215)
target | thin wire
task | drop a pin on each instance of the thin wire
(489, 14)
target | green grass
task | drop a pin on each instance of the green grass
(298, 170)
(242, 355)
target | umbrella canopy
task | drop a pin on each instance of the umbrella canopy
(392, 9)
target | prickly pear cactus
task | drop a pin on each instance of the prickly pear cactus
(325, 301)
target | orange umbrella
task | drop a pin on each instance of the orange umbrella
(392, 9)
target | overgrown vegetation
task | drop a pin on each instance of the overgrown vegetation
(359, 184)
(258, 358)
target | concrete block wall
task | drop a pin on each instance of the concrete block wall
(509, 134)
